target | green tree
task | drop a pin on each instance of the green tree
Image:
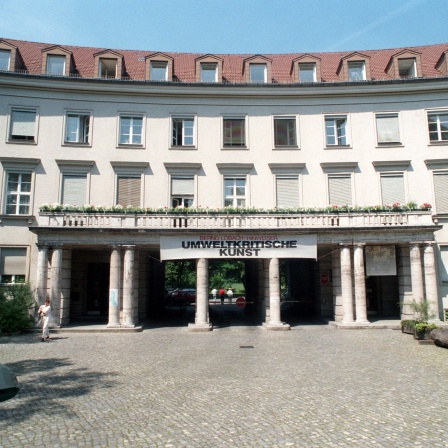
(16, 306)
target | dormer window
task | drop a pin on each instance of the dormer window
(107, 68)
(5, 60)
(158, 71)
(209, 72)
(55, 65)
(356, 70)
(407, 68)
(307, 72)
(257, 73)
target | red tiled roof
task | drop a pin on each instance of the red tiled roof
(184, 63)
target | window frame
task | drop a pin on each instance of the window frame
(390, 115)
(183, 118)
(209, 64)
(129, 170)
(389, 174)
(75, 168)
(265, 72)
(296, 131)
(182, 196)
(414, 67)
(350, 66)
(297, 179)
(438, 172)
(245, 144)
(89, 134)
(436, 112)
(308, 64)
(18, 193)
(49, 57)
(4, 51)
(100, 68)
(13, 109)
(13, 276)
(153, 65)
(334, 118)
(131, 115)
(235, 197)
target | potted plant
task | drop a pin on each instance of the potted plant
(423, 329)
(420, 326)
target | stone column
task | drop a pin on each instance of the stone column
(274, 322)
(55, 284)
(128, 286)
(416, 273)
(114, 287)
(66, 286)
(346, 285)
(201, 319)
(42, 274)
(431, 281)
(360, 285)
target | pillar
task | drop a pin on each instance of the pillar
(128, 286)
(42, 273)
(431, 281)
(346, 285)
(66, 286)
(360, 285)
(55, 284)
(114, 287)
(201, 322)
(274, 322)
(416, 273)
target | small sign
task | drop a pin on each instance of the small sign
(324, 278)
(240, 302)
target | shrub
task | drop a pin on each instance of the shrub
(16, 302)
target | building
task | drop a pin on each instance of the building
(333, 163)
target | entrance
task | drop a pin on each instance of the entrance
(382, 296)
(97, 289)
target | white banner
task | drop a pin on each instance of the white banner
(380, 260)
(238, 246)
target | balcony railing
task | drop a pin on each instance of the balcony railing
(224, 221)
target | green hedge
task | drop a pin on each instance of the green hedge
(16, 304)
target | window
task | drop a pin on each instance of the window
(182, 131)
(387, 129)
(77, 127)
(5, 59)
(336, 130)
(287, 190)
(18, 193)
(131, 128)
(340, 189)
(107, 68)
(307, 72)
(234, 192)
(129, 191)
(12, 265)
(438, 126)
(158, 71)
(182, 191)
(23, 125)
(356, 71)
(74, 189)
(392, 188)
(407, 68)
(441, 191)
(55, 65)
(209, 72)
(285, 131)
(234, 132)
(257, 73)
(444, 266)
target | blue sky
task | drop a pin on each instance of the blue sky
(228, 26)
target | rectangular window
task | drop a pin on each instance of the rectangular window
(5, 59)
(77, 127)
(12, 265)
(407, 68)
(55, 65)
(182, 131)
(74, 188)
(287, 188)
(441, 191)
(387, 129)
(392, 188)
(340, 189)
(356, 71)
(438, 126)
(158, 71)
(307, 72)
(257, 73)
(336, 131)
(234, 132)
(130, 130)
(444, 268)
(235, 192)
(129, 191)
(18, 193)
(209, 72)
(182, 191)
(23, 125)
(108, 68)
(285, 131)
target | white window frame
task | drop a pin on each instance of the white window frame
(18, 193)
(15, 277)
(432, 113)
(129, 169)
(235, 197)
(297, 179)
(206, 67)
(184, 118)
(245, 145)
(101, 66)
(183, 196)
(156, 66)
(335, 118)
(132, 116)
(385, 174)
(19, 109)
(305, 67)
(438, 172)
(87, 135)
(8, 58)
(54, 57)
(345, 176)
(75, 168)
(296, 124)
(356, 65)
(443, 263)
(413, 68)
(265, 72)
(379, 115)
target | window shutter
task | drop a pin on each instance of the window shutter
(129, 191)
(441, 192)
(387, 129)
(13, 261)
(74, 189)
(181, 186)
(287, 192)
(340, 190)
(23, 122)
(392, 189)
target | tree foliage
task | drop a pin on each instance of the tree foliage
(16, 305)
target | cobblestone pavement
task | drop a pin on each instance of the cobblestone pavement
(165, 387)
